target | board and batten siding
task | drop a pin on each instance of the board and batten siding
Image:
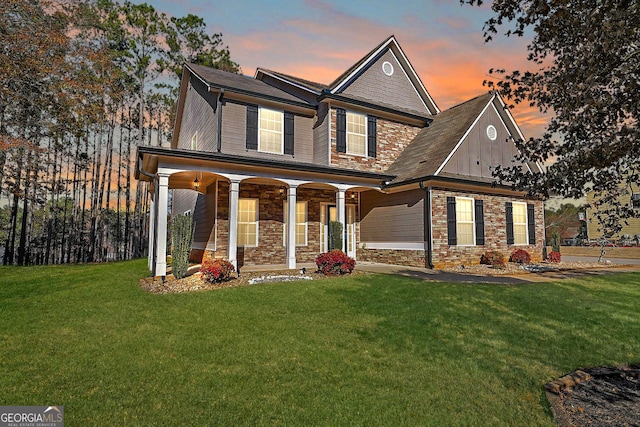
(199, 115)
(396, 89)
(234, 135)
(397, 218)
(478, 153)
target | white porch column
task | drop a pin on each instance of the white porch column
(340, 208)
(291, 227)
(152, 231)
(161, 225)
(232, 254)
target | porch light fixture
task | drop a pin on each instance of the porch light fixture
(196, 184)
(281, 191)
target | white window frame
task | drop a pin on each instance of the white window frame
(187, 212)
(285, 222)
(280, 114)
(348, 134)
(255, 223)
(472, 222)
(525, 224)
(194, 141)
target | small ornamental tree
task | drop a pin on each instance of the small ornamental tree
(334, 263)
(520, 256)
(217, 271)
(335, 235)
(181, 238)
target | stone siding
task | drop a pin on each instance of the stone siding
(392, 139)
(495, 230)
(413, 258)
(271, 248)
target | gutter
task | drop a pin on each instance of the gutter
(428, 234)
(219, 143)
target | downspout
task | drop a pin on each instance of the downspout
(219, 144)
(154, 178)
(427, 224)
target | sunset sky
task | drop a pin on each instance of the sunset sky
(319, 39)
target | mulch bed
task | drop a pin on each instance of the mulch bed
(194, 282)
(597, 397)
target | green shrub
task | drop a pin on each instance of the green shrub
(335, 235)
(520, 256)
(217, 271)
(335, 263)
(493, 258)
(181, 238)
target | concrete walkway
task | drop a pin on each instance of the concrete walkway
(524, 278)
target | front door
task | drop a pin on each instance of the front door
(329, 213)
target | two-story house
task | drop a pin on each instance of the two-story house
(264, 164)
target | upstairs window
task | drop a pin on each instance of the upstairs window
(194, 141)
(356, 134)
(271, 132)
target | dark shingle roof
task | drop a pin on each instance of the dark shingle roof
(243, 84)
(308, 84)
(431, 146)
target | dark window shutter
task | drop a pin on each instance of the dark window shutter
(509, 212)
(371, 136)
(288, 133)
(452, 233)
(479, 206)
(341, 130)
(252, 127)
(531, 224)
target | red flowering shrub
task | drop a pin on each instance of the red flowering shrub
(335, 262)
(554, 256)
(520, 256)
(493, 258)
(217, 271)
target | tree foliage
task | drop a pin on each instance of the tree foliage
(81, 83)
(585, 64)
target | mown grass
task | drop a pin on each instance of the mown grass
(365, 350)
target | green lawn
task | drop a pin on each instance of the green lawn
(365, 350)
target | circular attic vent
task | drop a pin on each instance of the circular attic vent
(492, 133)
(387, 68)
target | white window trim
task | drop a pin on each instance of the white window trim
(526, 224)
(473, 221)
(366, 134)
(256, 222)
(281, 112)
(194, 141)
(285, 222)
(187, 212)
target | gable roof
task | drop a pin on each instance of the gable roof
(432, 145)
(357, 69)
(238, 83)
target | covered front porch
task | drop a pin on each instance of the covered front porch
(252, 214)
